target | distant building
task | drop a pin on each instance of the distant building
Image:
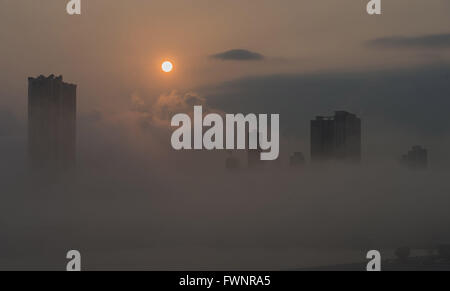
(51, 122)
(336, 138)
(416, 158)
(297, 160)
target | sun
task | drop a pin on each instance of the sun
(167, 67)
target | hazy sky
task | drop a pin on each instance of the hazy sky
(116, 47)
(312, 57)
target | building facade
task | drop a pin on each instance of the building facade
(51, 122)
(416, 158)
(336, 138)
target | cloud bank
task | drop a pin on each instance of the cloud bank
(238, 55)
(423, 41)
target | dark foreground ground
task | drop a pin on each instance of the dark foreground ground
(425, 263)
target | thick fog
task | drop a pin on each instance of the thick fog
(134, 203)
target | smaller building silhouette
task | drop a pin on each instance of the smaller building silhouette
(416, 158)
(297, 160)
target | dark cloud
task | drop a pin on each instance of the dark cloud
(423, 41)
(238, 55)
(415, 98)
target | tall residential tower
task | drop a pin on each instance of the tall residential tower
(336, 138)
(51, 122)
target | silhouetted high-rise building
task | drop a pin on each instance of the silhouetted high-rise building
(51, 122)
(416, 158)
(336, 138)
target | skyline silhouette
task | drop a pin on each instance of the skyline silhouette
(364, 135)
